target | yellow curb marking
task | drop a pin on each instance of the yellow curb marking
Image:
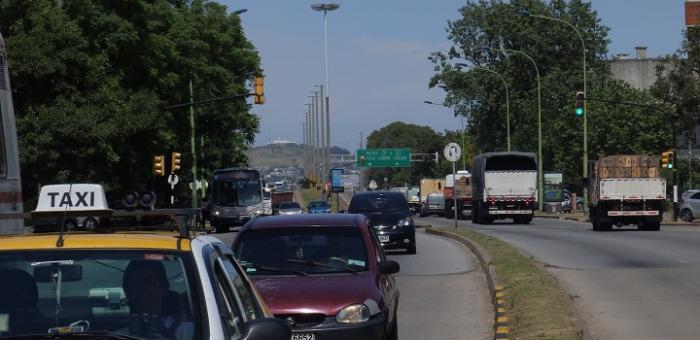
(502, 330)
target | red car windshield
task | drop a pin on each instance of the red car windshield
(312, 250)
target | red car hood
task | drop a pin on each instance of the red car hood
(316, 294)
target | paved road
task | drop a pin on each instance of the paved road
(443, 294)
(625, 284)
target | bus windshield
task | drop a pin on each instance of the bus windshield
(237, 193)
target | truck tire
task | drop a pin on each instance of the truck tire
(522, 220)
(473, 216)
(220, 229)
(651, 226)
(485, 218)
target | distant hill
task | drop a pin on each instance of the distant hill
(281, 155)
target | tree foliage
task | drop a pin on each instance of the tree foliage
(91, 80)
(479, 38)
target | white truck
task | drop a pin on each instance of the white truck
(626, 189)
(504, 185)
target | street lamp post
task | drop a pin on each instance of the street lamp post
(540, 175)
(505, 85)
(325, 99)
(585, 103)
(464, 159)
(309, 141)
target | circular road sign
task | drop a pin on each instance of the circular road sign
(373, 185)
(452, 152)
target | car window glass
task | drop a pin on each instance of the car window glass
(695, 196)
(377, 203)
(108, 288)
(245, 293)
(233, 318)
(378, 250)
(334, 248)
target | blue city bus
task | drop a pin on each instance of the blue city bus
(236, 197)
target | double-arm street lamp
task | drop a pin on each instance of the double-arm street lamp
(505, 85)
(540, 175)
(585, 93)
(325, 99)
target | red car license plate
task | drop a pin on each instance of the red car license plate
(303, 336)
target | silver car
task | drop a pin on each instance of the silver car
(690, 205)
(289, 208)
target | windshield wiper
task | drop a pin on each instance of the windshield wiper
(319, 264)
(275, 269)
(97, 334)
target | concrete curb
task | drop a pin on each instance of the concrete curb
(496, 291)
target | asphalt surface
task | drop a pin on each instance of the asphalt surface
(625, 284)
(443, 293)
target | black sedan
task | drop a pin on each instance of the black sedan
(389, 216)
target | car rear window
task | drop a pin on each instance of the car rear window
(377, 203)
(436, 198)
(289, 205)
(312, 250)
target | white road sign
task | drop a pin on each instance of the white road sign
(452, 152)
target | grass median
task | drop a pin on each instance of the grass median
(537, 308)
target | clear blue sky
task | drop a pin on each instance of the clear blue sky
(378, 51)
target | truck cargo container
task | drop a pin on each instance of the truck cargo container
(626, 189)
(462, 188)
(504, 185)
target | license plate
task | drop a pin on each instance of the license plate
(383, 238)
(303, 336)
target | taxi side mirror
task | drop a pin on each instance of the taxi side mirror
(388, 267)
(267, 329)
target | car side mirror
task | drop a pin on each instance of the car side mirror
(267, 329)
(389, 267)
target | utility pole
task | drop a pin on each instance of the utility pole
(192, 149)
(690, 162)
(324, 147)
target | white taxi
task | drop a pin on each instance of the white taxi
(127, 278)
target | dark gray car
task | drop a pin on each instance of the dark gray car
(389, 216)
(434, 204)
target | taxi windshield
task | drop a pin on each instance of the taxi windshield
(143, 294)
(310, 250)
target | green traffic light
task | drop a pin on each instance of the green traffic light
(670, 165)
(579, 111)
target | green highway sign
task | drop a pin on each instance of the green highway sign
(384, 158)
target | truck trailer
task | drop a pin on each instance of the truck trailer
(504, 185)
(626, 189)
(462, 189)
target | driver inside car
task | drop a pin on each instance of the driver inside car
(155, 310)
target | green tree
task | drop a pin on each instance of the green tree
(488, 25)
(91, 80)
(420, 139)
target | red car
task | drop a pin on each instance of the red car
(325, 274)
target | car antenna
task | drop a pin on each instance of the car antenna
(59, 242)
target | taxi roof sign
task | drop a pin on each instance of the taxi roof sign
(76, 198)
